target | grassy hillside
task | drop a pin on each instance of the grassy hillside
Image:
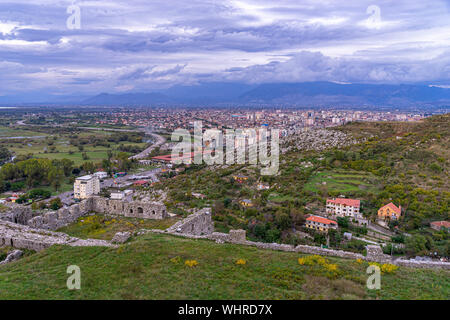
(153, 267)
(406, 163)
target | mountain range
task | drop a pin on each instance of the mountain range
(303, 94)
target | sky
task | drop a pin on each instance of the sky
(88, 47)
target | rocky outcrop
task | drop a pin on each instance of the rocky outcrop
(12, 256)
(121, 237)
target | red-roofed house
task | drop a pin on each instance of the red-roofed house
(390, 211)
(141, 183)
(344, 207)
(320, 223)
(437, 225)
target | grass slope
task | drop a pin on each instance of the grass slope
(152, 267)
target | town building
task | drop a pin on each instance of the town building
(86, 186)
(240, 178)
(390, 211)
(320, 223)
(246, 203)
(101, 175)
(117, 195)
(344, 207)
(438, 225)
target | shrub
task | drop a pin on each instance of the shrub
(191, 263)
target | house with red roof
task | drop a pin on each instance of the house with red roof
(320, 223)
(389, 211)
(344, 207)
(438, 225)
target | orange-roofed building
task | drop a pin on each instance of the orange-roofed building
(390, 211)
(438, 225)
(320, 223)
(344, 207)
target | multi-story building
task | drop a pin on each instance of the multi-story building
(86, 186)
(320, 223)
(344, 207)
(390, 211)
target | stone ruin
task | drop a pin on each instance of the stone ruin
(24, 228)
(23, 237)
(53, 220)
(199, 223)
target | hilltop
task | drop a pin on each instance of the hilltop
(153, 267)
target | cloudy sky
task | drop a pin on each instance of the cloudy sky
(142, 45)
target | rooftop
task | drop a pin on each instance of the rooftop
(321, 220)
(346, 202)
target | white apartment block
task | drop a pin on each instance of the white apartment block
(344, 208)
(86, 186)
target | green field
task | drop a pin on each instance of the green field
(40, 148)
(343, 182)
(153, 267)
(18, 132)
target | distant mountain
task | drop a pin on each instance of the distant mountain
(128, 99)
(307, 94)
(326, 93)
(212, 92)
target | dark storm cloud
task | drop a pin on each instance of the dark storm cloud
(133, 44)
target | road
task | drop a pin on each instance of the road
(159, 141)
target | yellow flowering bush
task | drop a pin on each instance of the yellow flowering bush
(312, 260)
(191, 263)
(385, 268)
(359, 260)
(330, 267)
(175, 260)
(241, 262)
(388, 268)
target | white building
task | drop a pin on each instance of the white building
(117, 195)
(344, 207)
(86, 186)
(101, 175)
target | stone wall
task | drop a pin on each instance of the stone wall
(24, 237)
(133, 209)
(199, 223)
(57, 219)
(18, 214)
(53, 220)
(187, 228)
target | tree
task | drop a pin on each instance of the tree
(5, 155)
(55, 204)
(416, 244)
(55, 177)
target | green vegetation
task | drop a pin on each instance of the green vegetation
(340, 182)
(69, 143)
(105, 227)
(404, 163)
(154, 267)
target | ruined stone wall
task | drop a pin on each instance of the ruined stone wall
(133, 209)
(53, 220)
(18, 214)
(24, 237)
(199, 223)
(192, 227)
